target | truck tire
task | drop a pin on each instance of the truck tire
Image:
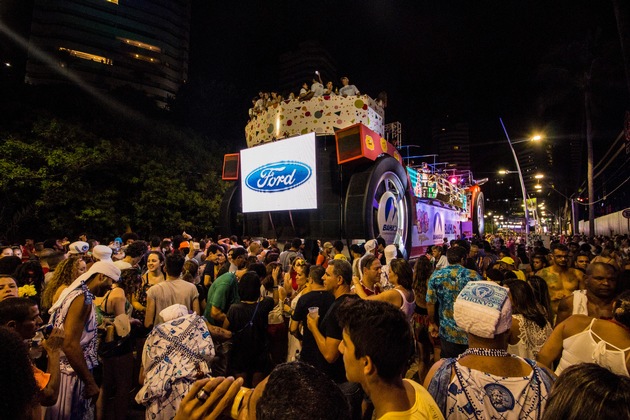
(477, 213)
(378, 203)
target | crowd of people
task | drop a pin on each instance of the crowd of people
(250, 328)
(308, 90)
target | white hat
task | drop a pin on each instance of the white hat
(102, 252)
(78, 247)
(122, 265)
(483, 309)
(390, 253)
(370, 245)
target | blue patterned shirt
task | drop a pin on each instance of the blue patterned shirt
(444, 286)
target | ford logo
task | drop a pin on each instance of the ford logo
(278, 176)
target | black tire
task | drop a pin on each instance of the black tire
(231, 217)
(368, 192)
(477, 213)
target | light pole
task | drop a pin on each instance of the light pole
(520, 175)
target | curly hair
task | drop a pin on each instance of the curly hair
(64, 275)
(18, 390)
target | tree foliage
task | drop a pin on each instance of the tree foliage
(79, 165)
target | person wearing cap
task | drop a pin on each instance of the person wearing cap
(444, 286)
(102, 253)
(347, 89)
(74, 313)
(325, 255)
(486, 380)
(507, 263)
(78, 248)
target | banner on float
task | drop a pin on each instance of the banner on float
(280, 176)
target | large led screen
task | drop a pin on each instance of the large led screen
(279, 176)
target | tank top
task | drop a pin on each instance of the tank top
(583, 348)
(408, 307)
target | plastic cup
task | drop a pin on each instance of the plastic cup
(313, 311)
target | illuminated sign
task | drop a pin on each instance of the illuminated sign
(279, 176)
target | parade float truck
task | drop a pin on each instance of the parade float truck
(323, 169)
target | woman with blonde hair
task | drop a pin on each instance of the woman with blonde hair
(66, 272)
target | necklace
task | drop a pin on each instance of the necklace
(485, 352)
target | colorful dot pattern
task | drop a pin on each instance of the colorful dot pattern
(322, 115)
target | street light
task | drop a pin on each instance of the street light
(520, 174)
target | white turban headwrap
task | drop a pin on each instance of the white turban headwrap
(483, 308)
(105, 267)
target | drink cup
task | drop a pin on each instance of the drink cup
(313, 311)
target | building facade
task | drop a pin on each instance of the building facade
(111, 44)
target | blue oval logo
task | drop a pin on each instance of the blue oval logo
(278, 176)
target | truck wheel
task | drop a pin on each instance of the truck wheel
(477, 214)
(378, 203)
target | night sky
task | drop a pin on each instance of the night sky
(475, 61)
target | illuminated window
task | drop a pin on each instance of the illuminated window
(140, 44)
(112, 1)
(145, 58)
(87, 56)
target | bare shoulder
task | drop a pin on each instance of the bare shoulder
(575, 324)
(431, 373)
